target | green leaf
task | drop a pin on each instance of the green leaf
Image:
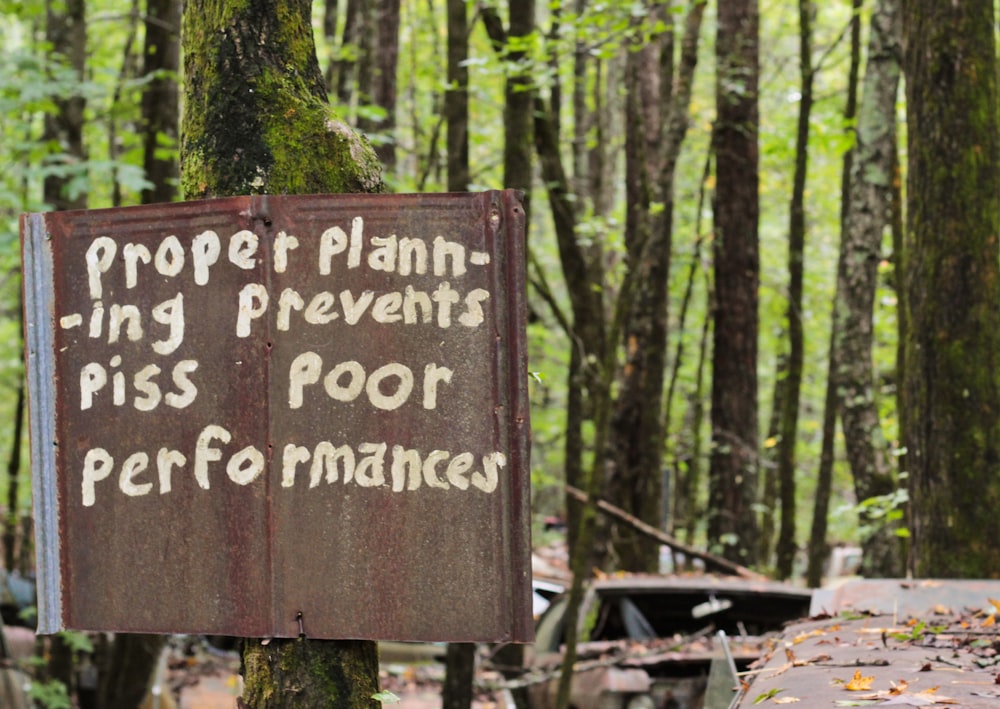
(767, 695)
(385, 696)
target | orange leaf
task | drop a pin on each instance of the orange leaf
(989, 621)
(898, 689)
(996, 604)
(859, 683)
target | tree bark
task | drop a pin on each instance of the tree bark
(247, 71)
(519, 102)
(734, 458)
(657, 109)
(460, 661)
(636, 437)
(456, 98)
(952, 394)
(66, 33)
(786, 547)
(160, 108)
(817, 549)
(257, 121)
(381, 55)
(869, 213)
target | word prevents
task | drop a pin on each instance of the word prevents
(367, 465)
(390, 254)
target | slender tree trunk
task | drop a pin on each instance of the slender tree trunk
(734, 458)
(128, 670)
(460, 663)
(460, 657)
(351, 56)
(635, 483)
(652, 148)
(12, 522)
(378, 66)
(786, 548)
(869, 212)
(817, 550)
(66, 34)
(331, 20)
(952, 392)
(126, 73)
(519, 102)
(683, 503)
(238, 138)
(160, 108)
(456, 98)
(769, 498)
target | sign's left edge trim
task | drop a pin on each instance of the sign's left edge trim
(39, 338)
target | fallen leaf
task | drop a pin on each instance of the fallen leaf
(910, 700)
(859, 683)
(990, 620)
(996, 604)
(899, 688)
(823, 657)
(805, 636)
(786, 700)
(767, 695)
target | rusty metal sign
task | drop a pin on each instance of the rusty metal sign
(268, 416)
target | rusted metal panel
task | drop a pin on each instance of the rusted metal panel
(905, 597)
(317, 420)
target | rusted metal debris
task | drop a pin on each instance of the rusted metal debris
(929, 643)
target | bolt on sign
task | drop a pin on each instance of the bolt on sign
(282, 415)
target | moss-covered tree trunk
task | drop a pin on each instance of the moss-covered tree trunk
(256, 118)
(257, 121)
(952, 391)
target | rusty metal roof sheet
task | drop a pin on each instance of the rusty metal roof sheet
(940, 647)
(270, 415)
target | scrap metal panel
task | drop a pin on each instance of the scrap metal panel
(256, 415)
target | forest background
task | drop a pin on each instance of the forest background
(693, 380)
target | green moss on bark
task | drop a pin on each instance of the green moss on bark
(257, 119)
(311, 674)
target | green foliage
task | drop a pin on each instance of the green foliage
(601, 32)
(878, 512)
(50, 695)
(386, 697)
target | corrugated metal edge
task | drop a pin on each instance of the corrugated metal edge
(510, 206)
(39, 339)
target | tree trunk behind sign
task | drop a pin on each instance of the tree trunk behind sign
(257, 121)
